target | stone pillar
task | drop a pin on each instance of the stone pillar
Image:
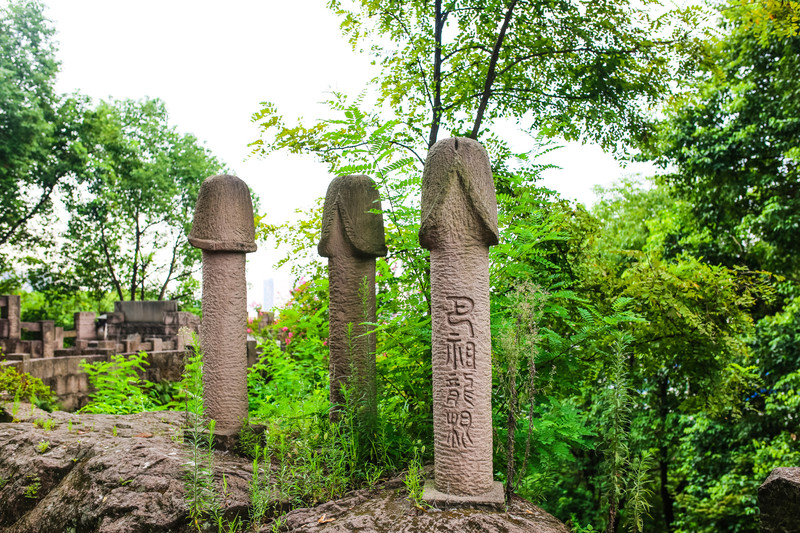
(223, 228)
(779, 501)
(459, 223)
(352, 237)
(84, 325)
(48, 329)
(13, 309)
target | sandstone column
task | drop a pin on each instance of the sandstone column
(459, 223)
(223, 228)
(352, 237)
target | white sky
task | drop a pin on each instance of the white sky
(212, 63)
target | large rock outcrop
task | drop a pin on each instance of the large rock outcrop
(387, 509)
(63, 472)
(101, 473)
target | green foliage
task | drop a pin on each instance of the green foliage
(128, 226)
(414, 479)
(58, 302)
(46, 424)
(118, 386)
(731, 143)
(16, 386)
(572, 69)
(33, 486)
(200, 492)
(39, 130)
(43, 446)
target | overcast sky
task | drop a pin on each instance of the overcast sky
(212, 63)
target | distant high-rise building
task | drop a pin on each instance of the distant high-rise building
(269, 294)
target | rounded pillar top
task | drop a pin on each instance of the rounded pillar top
(459, 203)
(223, 216)
(349, 227)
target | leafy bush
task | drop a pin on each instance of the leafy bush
(119, 389)
(17, 386)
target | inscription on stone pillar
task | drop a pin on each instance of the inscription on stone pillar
(459, 223)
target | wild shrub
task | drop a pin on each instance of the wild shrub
(118, 387)
(18, 386)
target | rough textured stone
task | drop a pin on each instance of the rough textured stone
(493, 500)
(352, 237)
(88, 479)
(388, 510)
(10, 306)
(223, 227)
(146, 310)
(124, 473)
(459, 223)
(779, 501)
(223, 217)
(84, 325)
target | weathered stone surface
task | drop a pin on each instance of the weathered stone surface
(347, 214)
(10, 306)
(352, 237)
(779, 501)
(223, 228)
(458, 195)
(223, 216)
(459, 223)
(492, 500)
(223, 337)
(92, 481)
(388, 510)
(84, 325)
(146, 310)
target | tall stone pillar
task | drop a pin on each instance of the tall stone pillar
(352, 237)
(223, 228)
(459, 223)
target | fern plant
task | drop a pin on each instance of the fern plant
(118, 386)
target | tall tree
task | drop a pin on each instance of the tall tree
(128, 229)
(576, 69)
(732, 143)
(40, 145)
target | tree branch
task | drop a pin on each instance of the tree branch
(437, 75)
(492, 72)
(109, 265)
(24, 220)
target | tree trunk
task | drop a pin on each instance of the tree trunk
(437, 75)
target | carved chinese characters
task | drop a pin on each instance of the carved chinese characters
(352, 237)
(459, 223)
(223, 228)
(460, 376)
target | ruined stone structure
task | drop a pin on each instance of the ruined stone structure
(152, 327)
(352, 237)
(459, 223)
(223, 228)
(12, 327)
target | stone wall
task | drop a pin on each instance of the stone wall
(71, 386)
